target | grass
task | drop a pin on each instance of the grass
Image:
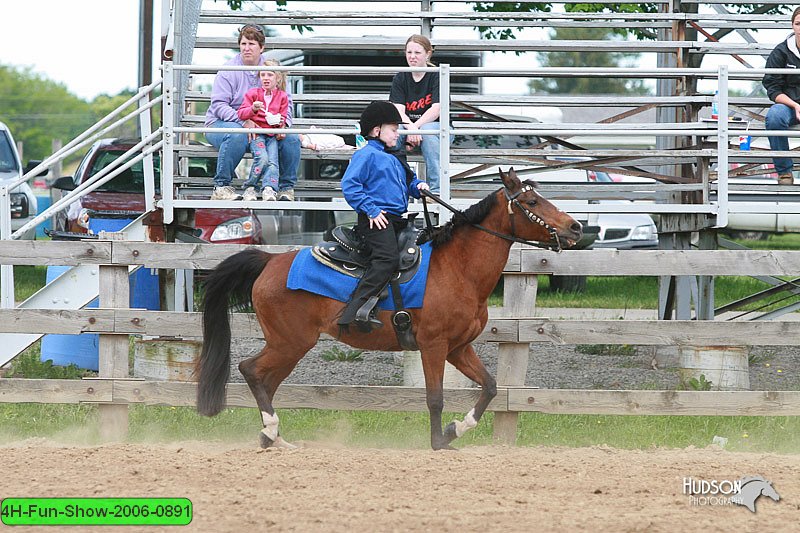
(334, 353)
(639, 292)
(77, 423)
(606, 349)
(28, 280)
(29, 365)
(785, 241)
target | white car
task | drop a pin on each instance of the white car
(23, 201)
(629, 231)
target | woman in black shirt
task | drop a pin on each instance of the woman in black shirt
(416, 96)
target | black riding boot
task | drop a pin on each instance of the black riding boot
(384, 258)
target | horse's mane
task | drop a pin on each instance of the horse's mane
(473, 215)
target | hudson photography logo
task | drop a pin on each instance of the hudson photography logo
(743, 491)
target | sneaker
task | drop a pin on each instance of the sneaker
(268, 194)
(250, 195)
(286, 195)
(226, 192)
(786, 179)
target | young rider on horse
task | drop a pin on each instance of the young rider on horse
(377, 185)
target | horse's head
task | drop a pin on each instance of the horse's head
(536, 219)
(768, 490)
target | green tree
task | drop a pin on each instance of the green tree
(582, 58)
(104, 104)
(39, 110)
(237, 5)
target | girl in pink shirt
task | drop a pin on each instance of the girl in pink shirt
(268, 107)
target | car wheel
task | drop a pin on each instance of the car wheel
(568, 283)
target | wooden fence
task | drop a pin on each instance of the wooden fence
(513, 326)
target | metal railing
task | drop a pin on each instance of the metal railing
(718, 208)
(147, 145)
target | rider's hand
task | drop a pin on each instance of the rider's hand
(379, 221)
(423, 186)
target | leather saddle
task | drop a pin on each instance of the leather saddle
(345, 252)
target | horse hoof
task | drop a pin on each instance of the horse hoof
(279, 442)
(445, 447)
(449, 433)
(264, 441)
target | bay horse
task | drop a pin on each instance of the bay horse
(466, 263)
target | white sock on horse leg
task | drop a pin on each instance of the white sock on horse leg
(468, 423)
(270, 425)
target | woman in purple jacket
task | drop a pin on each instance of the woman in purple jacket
(227, 95)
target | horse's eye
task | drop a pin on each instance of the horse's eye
(532, 203)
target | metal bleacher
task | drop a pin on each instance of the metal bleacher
(684, 160)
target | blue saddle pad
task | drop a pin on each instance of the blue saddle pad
(308, 274)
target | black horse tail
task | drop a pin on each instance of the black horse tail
(230, 284)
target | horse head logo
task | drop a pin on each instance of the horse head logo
(752, 488)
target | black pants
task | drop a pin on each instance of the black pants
(384, 259)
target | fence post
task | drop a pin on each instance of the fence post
(113, 350)
(519, 301)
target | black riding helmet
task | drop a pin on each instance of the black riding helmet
(377, 113)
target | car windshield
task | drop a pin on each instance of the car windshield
(8, 163)
(131, 180)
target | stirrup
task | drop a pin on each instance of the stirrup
(365, 318)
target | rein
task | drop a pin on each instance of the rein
(512, 201)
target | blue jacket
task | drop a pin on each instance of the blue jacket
(376, 181)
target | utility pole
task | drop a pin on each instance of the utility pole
(145, 42)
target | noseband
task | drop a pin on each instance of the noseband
(533, 217)
(512, 201)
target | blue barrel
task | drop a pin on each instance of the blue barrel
(67, 349)
(82, 349)
(42, 203)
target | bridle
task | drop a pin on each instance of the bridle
(512, 201)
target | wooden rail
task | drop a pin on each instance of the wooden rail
(514, 326)
(383, 398)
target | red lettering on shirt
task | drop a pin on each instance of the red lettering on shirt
(422, 103)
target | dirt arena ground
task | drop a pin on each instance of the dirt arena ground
(237, 488)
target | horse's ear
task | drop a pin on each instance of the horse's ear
(510, 179)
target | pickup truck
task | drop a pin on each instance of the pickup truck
(23, 201)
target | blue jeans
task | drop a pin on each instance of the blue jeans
(289, 161)
(780, 118)
(265, 162)
(430, 153)
(232, 147)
